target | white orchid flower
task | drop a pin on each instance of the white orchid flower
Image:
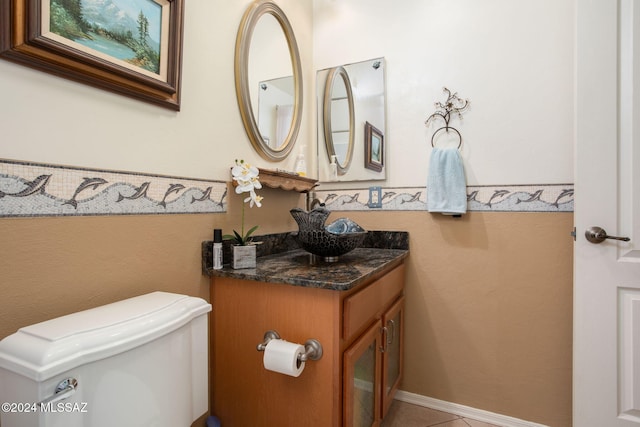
(247, 180)
(254, 199)
(246, 176)
(244, 187)
(256, 183)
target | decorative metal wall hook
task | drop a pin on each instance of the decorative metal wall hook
(453, 104)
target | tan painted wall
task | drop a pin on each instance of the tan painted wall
(488, 296)
(54, 266)
(489, 310)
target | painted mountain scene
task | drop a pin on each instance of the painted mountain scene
(128, 30)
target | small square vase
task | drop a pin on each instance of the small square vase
(244, 256)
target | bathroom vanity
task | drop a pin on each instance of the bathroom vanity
(353, 307)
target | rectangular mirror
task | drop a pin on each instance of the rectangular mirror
(351, 103)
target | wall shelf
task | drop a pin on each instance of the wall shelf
(286, 181)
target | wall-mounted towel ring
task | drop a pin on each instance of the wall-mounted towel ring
(447, 129)
(444, 110)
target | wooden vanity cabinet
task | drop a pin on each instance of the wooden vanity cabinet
(373, 368)
(362, 380)
(361, 334)
(392, 355)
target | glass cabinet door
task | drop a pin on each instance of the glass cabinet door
(362, 372)
(392, 355)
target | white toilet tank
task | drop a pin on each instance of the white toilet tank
(140, 362)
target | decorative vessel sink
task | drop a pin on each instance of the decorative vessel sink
(330, 241)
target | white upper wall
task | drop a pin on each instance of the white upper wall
(52, 120)
(512, 59)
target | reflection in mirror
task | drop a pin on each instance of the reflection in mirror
(338, 117)
(367, 82)
(268, 80)
(275, 110)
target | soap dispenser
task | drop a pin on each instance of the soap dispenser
(301, 164)
(333, 169)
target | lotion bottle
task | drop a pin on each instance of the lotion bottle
(217, 249)
(333, 169)
(301, 165)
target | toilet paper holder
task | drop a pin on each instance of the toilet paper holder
(312, 347)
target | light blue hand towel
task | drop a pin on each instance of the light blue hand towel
(446, 183)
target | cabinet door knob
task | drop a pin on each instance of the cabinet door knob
(384, 331)
(393, 332)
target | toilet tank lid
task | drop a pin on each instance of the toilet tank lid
(46, 349)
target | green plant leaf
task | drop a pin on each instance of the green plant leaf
(250, 232)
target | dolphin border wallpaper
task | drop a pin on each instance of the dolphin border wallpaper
(31, 190)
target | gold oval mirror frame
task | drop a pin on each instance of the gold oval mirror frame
(329, 99)
(243, 43)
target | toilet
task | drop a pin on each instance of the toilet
(140, 362)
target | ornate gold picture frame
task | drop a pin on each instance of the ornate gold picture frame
(54, 35)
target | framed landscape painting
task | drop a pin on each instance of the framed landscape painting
(131, 47)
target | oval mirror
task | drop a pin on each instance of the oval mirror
(268, 77)
(339, 118)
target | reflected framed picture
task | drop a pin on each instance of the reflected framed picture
(130, 47)
(373, 148)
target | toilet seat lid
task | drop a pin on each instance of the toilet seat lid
(45, 349)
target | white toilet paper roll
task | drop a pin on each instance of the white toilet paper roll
(283, 357)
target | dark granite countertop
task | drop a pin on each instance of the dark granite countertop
(288, 264)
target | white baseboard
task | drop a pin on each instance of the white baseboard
(463, 411)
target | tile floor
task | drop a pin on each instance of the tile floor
(402, 414)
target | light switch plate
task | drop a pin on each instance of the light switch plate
(375, 197)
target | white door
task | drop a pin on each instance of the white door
(607, 194)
